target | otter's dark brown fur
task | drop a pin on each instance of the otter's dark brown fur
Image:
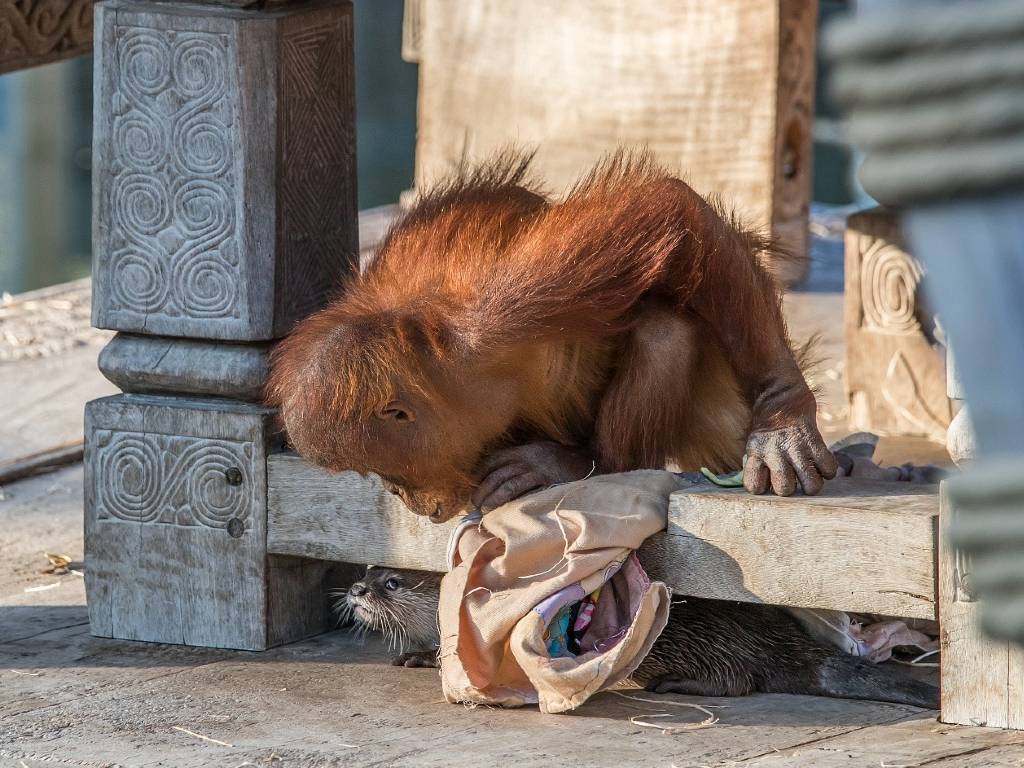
(719, 648)
(403, 605)
(708, 648)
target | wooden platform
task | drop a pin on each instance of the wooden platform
(68, 697)
(861, 546)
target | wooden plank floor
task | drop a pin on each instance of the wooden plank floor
(68, 698)
(47, 368)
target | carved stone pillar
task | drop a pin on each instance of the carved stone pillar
(224, 211)
(895, 369)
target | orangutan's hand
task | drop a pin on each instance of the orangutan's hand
(512, 472)
(786, 456)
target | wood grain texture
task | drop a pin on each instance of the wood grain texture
(346, 517)
(982, 678)
(707, 86)
(820, 552)
(794, 126)
(895, 369)
(859, 546)
(160, 364)
(1015, 689)
(913, 739)
(175, 500)
(35, 32)
(225, 209)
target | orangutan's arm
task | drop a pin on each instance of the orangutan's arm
(723, 284)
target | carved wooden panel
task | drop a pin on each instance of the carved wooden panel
(34, 32)
(224, 165)
(174, 237)
(317, 195)
(895, 372)
(174, 480)
(175, 526)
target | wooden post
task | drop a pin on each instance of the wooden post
(895, 369)
(224, 211)
(982, 678)
(722, 92)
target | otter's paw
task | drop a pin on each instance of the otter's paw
(686, 686)
(788, 456)
(416, 659)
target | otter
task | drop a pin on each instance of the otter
(400, 603)
(722, 648)
(708, 647)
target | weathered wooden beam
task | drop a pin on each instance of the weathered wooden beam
(38, 462)
(161, 364)
(860, 546)
(36, 32)
(346, 517)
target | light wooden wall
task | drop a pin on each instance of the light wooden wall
(722, 91)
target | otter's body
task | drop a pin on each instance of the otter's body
(719, 648)
(708, 648)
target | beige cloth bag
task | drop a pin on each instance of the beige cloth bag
(513, 570)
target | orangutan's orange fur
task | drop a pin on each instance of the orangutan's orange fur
(633, 319)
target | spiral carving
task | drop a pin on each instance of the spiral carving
(200, 67)
(202, 208)
(139, 282)
(201, 142)
(140, 142)
(173, 192)
(205, 286)
(147, 478)
(214, 500)
(144, 59)
(131, 490)
(889, 281)
(33, 33)
(140, 204)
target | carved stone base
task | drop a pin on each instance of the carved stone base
(176, 528)
(895, 369)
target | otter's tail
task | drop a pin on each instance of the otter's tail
(849, 677)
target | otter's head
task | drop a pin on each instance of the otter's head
(397, 393)
(400, 603)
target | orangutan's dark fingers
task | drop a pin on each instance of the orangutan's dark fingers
(512, 489)
(495, 479)
(755, 475)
